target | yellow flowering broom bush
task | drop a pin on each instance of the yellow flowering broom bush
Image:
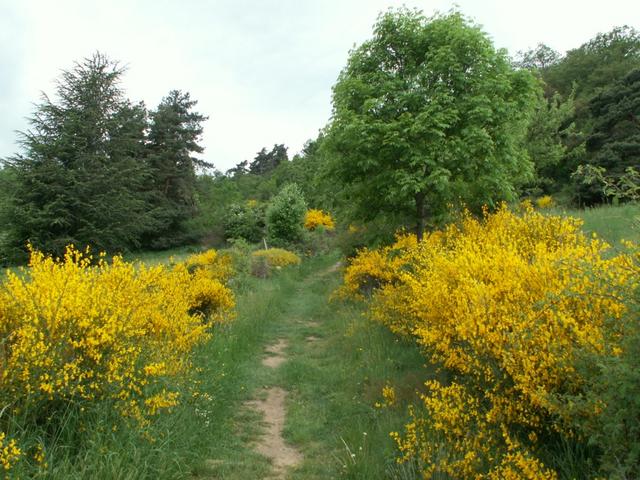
(277, 257)
(315, 218)
(9, 453)
(544, 202)
(213, 264)
(507, 305)
(76, 331)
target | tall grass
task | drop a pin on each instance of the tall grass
(611, 222)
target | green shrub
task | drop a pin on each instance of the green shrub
(245, 221)
(318, 241)
(285, 216)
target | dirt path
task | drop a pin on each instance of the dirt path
(268, 442)
(275, 354)
(271, 444)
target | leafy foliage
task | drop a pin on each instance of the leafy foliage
(285, 216)
(428, 113)
(596, 64)
(614, 142)
(245, 221)
(547, 141)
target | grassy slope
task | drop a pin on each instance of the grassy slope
(612, 223)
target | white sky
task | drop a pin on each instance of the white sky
(262, 70)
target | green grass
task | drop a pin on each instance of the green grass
(178, 445)
(333, 384)
(162, 256)
(611, 222)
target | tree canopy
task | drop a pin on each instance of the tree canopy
(614, 142)
(98, 170)
(174, 132)
(81, 178)
(428, 113)
(265, 162)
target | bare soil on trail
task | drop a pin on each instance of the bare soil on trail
(271, 444)
(335, 267)
(308, 323)
(275, 354)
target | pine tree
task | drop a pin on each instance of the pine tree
(81, 174)
(173, 140)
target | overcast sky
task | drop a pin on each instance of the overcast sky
(262, 70)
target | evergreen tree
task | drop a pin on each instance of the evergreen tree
(614, 143)
(174, 134)
(265, 162)
(240, 169)
(80, 177)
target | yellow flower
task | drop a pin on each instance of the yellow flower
(506, 304)
(277, 257)
(315, 218)
(545, 202)
(77, 330)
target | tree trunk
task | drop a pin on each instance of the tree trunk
(420, 215)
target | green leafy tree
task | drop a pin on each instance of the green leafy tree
(245, 221)
(81, 176)
(427, 113)
(173, 141)
(539, 58)
(285, 216)
(549, 135)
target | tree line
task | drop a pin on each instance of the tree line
(428, 116)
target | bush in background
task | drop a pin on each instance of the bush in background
(285, 216)
(317, 218)
(264, 261)
(245, 221)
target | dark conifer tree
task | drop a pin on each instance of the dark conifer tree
(174, 137)
(81, 175)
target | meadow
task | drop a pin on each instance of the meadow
(365, 394)
(418, 292)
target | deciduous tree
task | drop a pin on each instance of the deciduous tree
(427, 113)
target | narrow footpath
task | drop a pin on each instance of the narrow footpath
(305, 407)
